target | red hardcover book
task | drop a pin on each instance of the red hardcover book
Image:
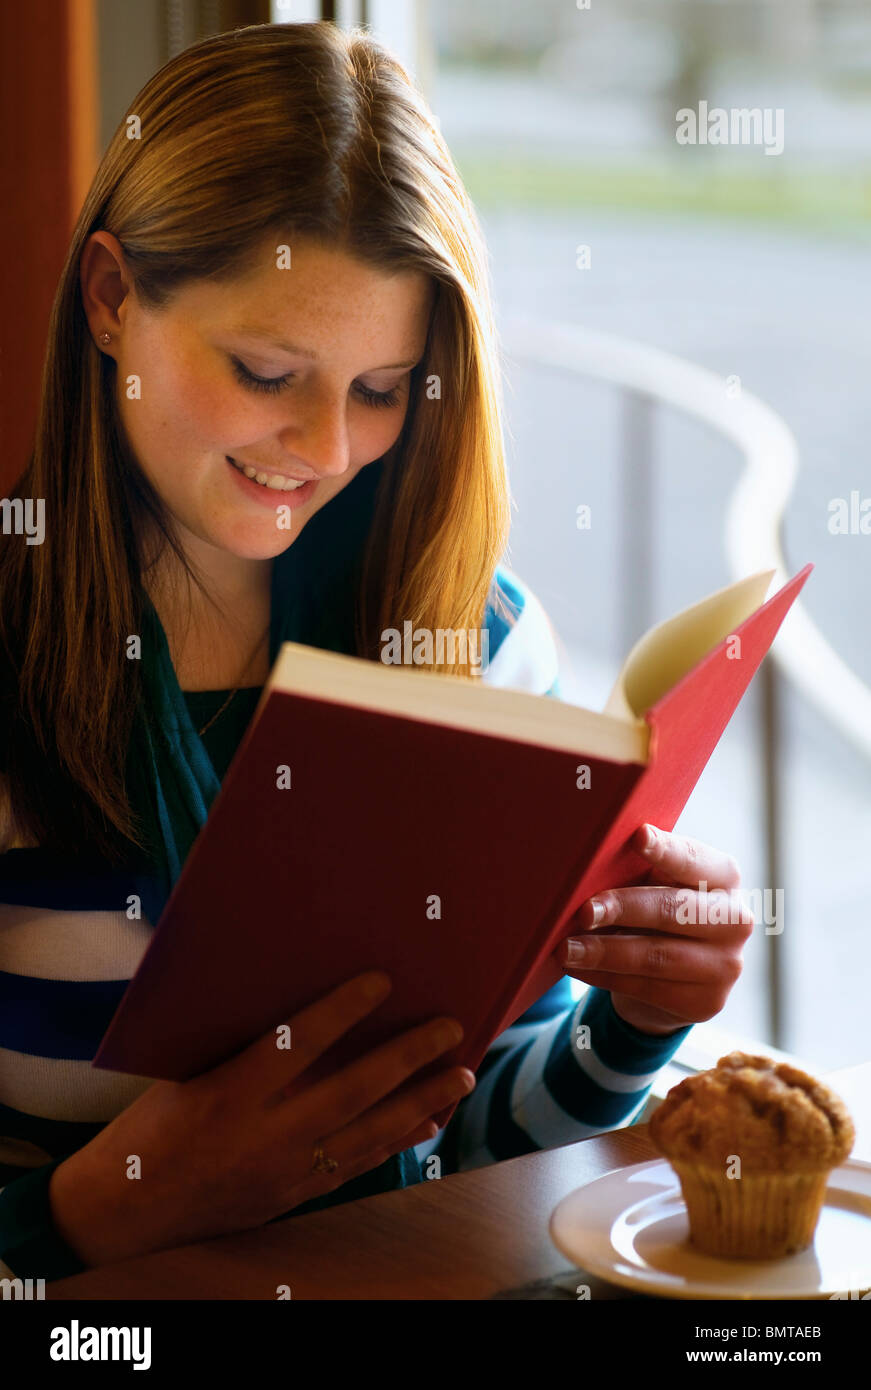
(442, 830)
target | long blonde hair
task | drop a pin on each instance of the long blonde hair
(299, 129)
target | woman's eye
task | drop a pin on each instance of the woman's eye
(379, 398)
(272, 385)
(259, 383)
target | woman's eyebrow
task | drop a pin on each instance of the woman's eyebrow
(244, 331)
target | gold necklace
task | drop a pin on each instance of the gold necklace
(237, 688)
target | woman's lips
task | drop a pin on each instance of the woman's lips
(271, 497)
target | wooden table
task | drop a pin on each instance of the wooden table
(470, 1235)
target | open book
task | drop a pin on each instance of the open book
(442, 830)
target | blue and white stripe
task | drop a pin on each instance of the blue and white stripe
(523, 654)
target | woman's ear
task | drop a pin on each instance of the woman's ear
(105, 286)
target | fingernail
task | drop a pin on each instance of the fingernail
(575, 951)
(376, 985)
(451, 1033)
(598, 910)
(649, 839)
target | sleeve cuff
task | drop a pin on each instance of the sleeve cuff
(619, 1044)
(29, 1243)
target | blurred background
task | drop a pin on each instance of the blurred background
(751, 266)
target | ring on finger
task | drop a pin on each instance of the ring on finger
(321, 1163)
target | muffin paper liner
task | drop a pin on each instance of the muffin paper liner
(759, 1216)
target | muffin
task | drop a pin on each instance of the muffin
(753, 1142)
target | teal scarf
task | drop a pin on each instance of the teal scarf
(170, 778)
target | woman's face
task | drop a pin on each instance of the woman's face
(334, 341)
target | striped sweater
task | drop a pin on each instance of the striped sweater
(67, 953)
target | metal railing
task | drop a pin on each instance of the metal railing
(650, 377)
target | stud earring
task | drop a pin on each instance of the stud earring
(105, 337)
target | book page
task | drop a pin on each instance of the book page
(463, 704)
(665, 654)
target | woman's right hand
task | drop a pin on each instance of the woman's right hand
(227, 1150)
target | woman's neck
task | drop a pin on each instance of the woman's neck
(217, 644)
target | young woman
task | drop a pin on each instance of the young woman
(271, 411)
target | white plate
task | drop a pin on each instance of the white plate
(630, 1227)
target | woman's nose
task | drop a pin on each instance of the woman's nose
(318, 436)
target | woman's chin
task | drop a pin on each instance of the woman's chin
(246, 544)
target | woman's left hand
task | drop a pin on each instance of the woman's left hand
(684, 950)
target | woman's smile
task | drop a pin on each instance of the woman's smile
(262, 487)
